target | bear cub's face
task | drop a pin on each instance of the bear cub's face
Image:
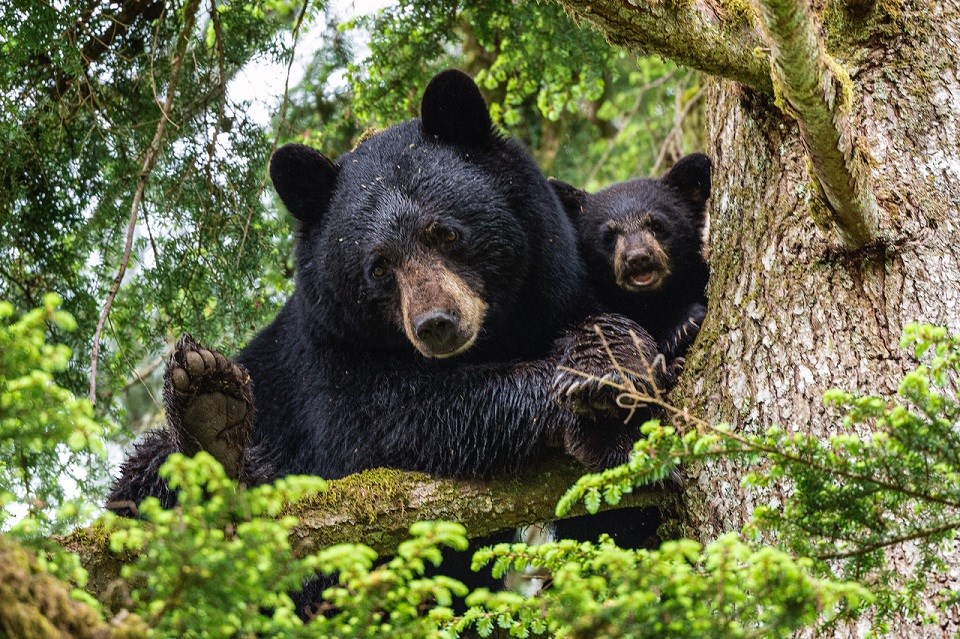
(643, 232)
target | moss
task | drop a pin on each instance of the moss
(738, 11)
(35, 605)
(363, 495)
(849, 23)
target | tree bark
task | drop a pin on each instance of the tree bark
(791, 315)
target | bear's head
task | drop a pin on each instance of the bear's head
(643, 234)
(436, 233)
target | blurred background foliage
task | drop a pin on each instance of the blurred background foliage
(82, 85)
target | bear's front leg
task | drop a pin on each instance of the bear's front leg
(209, 403)
(611, 372)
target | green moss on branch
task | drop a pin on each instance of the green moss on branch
(377, 507)
(817, 91)
(35, 605)
(684, 33)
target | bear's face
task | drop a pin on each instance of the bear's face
(428, 244)
(417, 236)
(641, 233)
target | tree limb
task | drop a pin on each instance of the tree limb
(690, 33)
(817, 92)
(377, 507)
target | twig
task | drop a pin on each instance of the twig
(222, 78)
(893, 541)
(283, 119)
(149, 161)
(676, 132)
(817, 91)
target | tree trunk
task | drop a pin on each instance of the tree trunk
(791, 313)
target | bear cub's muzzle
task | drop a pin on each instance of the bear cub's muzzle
(639, 262)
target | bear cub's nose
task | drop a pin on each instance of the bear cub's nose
(641, 259)
(436, 328)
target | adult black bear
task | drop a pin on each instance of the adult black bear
(436, 273)
(643, 244)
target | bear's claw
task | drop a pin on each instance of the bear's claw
(588, 382)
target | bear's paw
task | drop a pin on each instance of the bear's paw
(611, 365)
(209, 403)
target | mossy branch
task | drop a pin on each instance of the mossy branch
(816, 90)
(692, 33)
(377, 507)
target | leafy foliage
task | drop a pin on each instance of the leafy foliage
(591, 114)
(49, 438)
(220, 564)
(725, 589)
(82, 84)
(221, 557)
(886, 478)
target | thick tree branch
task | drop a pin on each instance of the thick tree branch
(816, 91)
(377, 507)
(689, 33)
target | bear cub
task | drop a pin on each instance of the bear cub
(642, 241)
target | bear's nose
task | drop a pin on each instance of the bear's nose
(435, 328)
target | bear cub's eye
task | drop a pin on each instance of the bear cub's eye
(657, 226)
(609, 231)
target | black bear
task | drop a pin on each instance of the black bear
(643, 244)
(436, 272)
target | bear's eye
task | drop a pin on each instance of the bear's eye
(379, 269)
(656, 226)
(443, 233)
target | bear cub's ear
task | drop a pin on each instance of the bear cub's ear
(304, 179)
(690, 176)
(453, 110)
(570, 196)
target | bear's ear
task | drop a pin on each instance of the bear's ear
(453, 110)
(690, 176)
(570, 196)
(304, 179)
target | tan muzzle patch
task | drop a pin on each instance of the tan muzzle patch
(639, 262)
(441, 314)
